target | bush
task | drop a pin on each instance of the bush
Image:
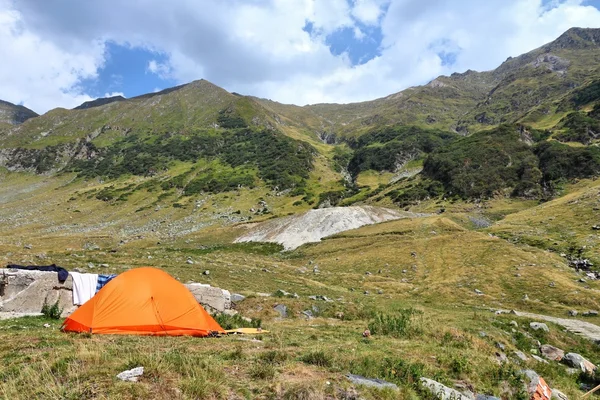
(399, 325)
(52, 311)
(236, 321)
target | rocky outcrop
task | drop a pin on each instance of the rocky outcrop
(310, 227)
(13, 114)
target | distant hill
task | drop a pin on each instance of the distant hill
(99, 102)
(13, 114)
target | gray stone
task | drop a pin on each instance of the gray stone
(573, 313)
(591, 313)
(525, 298)
(539, 359)
(536, 326)
(558, 395)
(104, 265)
(211, 298)
(377, 383)
(442, 392)
(308, 314)
(501, 346)
(533, 379)
(520, 355)
(501, 358)
(486, 397)
(482, 334)
(552, 353)
(281, 309)
(28, 246)
(190, 261)
(207, 272)
(575, 360)
(131, 375)
(478, 292)
(90, 265)
(237, 298)
(514, 323)
(380, 291)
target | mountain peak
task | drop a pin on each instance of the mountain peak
(14, 114)
(99, 102)
(576, 38)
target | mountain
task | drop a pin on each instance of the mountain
(99, 102)
(13, 114)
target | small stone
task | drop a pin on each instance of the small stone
(536, 326)
(366, 292)
(501, 358)
(207, 272)
(380, 291)
(281, 309)
(525, 298)
(478, 292)
(90, 265)
(482, 334)
(104, 265)
(368, 273)
(514, 323)
(501, 346)
(573, 313)
(308, 314)
(237, 298)
(190, 261)
(551, 284)
(28, 246)
(404, 271)
(539, 359)
(520, 355)
(131, 375)
(582, 280)
(46, 325)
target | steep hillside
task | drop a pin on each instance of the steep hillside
(11, 114)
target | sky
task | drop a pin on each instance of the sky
(60, 53)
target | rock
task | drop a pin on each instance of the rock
(380, 291)
(366, 292)
(28, 247)
(520, 355)
(368, 273)
(404, 271)
(131, 375)
(478, 292)
(581, 280)
(189, 261)
(377, 383)
(485, 397)
(590, 314)
(552, 353)
(104, 265)
(537, 387)
(207, 272)
(308, 314)
(237, 298)
(551, 284)
(482, 334)
(500, 346)
(514, 323)
(212, 298)
(573, 313)
(558, 395)
(525, 298)
(47, 325)
(442, 392)
(539, 359)
(537, 326)
(281, 309)
(312, 297)
(575, 360)
(596, 227)
(90, 265)
(501, 358)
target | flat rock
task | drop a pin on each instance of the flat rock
(539, 359)
(521, 356)
(442, 392)
(377, 383)
(552, 353)
(237, 298)
(281, 309)
(131, 375)
(558, 395)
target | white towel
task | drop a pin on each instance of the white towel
(84, 287)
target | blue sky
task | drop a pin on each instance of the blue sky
(293, 51)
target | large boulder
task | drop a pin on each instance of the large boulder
(539, 326)
(24, 292)
(552, 353)
(212, 298)
(575, 360)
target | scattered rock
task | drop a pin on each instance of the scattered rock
(501, 358)
(207, 272)
(366, 292)
(596, 227)
(590, 313)
(500, 346)
(368, 273)
(28, 247)
(573, 313)
(520, 355)
(281, 309)
(539, 359)
(525, 298)
(308, 314)
(482, 334)
(190, 261)
(558, 395)
(47, 325)
(551, 284)
(552, 353)
(104, 265)
(575, 360)
(90, 265)
(536, 326)
(237, 298)
(366, 333)
(581, 280)
(131, 375)
(514, 323)
(442, 392)
(380, 291)
(377, 383)
(478, 292)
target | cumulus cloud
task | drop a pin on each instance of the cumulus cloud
(263, 47)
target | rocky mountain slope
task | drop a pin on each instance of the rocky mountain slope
(11, 114)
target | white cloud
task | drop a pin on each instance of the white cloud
(36, 72)
(367, 11)
(114, 94)
(260, 47)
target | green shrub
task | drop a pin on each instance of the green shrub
(52, 311)
(399, 325)
(236, 321)
(262, 370)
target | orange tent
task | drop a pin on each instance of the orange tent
(143, 301)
